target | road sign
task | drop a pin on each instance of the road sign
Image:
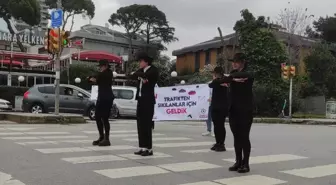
(56, 18)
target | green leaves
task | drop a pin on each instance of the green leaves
(25, 10)
(265, 55)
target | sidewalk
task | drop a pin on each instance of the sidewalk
(30, 118)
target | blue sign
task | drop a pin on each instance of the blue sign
(56, 18)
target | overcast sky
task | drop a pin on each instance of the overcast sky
(197, 20)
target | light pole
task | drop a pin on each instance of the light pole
(183, 82)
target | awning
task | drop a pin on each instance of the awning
(96, 56)
(15, 63)
(21, 55)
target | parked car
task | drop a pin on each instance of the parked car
(5, 105)
(125, 100)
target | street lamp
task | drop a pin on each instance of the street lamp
(183, 82)
(174, 74)
(78, 80)
(115, 74)
(21, 78)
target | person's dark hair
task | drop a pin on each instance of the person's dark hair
(238, 57)
(144, 56)
(218, 71)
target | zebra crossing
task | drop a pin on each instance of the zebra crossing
(173, 155)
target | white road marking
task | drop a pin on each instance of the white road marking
(202, 183)
(270, 158)
(313, 172)
(113, 132)
(37, 143)
(188, 144)
(62, 150)
(46, 133)
(93, 159)
(6, 179)
(11, 133)
(21, 138)
(111, 148)
(131, 172)
(63, 137)
(131, 135)
(188, 166)
(250, 180)
(202, 151)
(163, 139)
(135, 157)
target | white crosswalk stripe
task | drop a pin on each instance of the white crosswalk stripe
(314, 172)
(250, 180)
(93, 159)
(202, 151)
(112, 132)
(270, 158)
(83, 149)
(44, 137)
(132, 172)
(6, 179)
(172, 145)
(163, 139)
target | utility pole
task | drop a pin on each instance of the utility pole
(290, 78)
(57, 67)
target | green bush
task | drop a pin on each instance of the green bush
(306, 116)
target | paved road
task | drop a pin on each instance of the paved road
(62, 154)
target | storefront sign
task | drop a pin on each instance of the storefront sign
(188, 102)
(23, 38)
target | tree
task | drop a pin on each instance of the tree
(74, 7)
(324, 28)
(265, 55)
(295, 21)
(156, 28)
(321, 68)
(78, 71)
(28, 11)
(128, 18)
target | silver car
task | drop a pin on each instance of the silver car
(125, 100)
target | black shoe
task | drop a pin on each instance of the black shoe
(147, 153)
(235, 167)
(96, 143)
(220, 148)
(213, 148)
(244, 169)
(105, 142)
(139, 152)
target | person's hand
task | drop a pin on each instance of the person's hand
(144, 81)
(239, 79)
(92, 79)
(226, 75)
(225, 84)
(209, 100)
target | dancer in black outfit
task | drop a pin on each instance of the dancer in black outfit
(219, 110)
(240, 111)
(147, 77)
(104, 102)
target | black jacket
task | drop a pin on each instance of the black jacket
(241, 93)
(147, 90)
(219, 99)
(104, 81)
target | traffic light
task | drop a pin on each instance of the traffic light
(65, 38)
(54, 40)
(292, 70)
(46, 42)
(285, 72)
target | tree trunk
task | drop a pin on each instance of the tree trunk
(130, 56)
(22, 48)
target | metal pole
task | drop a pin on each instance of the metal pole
(290, 97)
(9, 80)
(57, 68)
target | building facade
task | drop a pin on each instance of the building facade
(193, 58)
(104, 39)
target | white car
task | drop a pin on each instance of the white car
(5, 105)
(125, 100)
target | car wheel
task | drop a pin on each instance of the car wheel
(37, 109)
(115, 112)
(92, 113)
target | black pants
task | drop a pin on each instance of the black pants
(145, 112)
(103, 110)
(218, 118)
(240, 124)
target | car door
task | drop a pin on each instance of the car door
(70, 101)
(48, 97)
(126, 98)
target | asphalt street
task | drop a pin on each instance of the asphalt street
(63, 155)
